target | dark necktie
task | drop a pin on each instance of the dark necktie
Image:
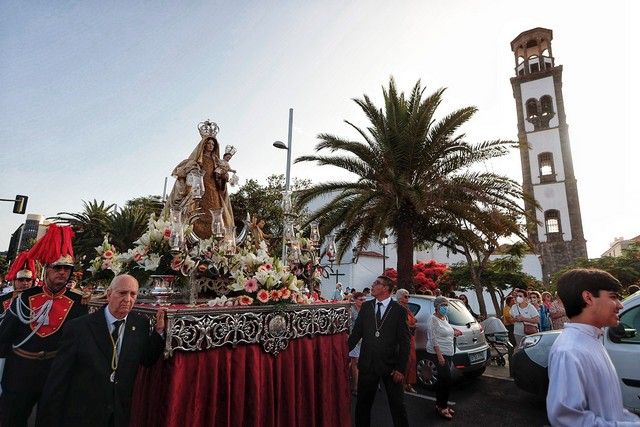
(116, 330)
(379, 313)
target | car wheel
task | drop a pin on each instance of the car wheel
(475, 374)
(426, 371)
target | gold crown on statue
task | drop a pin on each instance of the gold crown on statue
(230, 149)
(208, 129)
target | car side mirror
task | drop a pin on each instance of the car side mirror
(619, 332)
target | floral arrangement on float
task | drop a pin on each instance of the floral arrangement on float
(169, 266)
(105, 265)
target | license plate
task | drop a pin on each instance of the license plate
(477, 357)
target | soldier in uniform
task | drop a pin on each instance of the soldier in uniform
(33, 326)
(21, 275)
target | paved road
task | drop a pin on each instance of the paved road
(486, 402)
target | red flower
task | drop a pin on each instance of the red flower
(167, 233)
(286, 293)
(276, 295)
(263, 296)
(245, 300)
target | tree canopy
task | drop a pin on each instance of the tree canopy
(413, 174)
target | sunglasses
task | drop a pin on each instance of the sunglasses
(62, 267)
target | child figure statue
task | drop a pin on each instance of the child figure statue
(223, 168)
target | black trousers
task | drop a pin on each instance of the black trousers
(16, 407)
(367, 388)
(443, 386)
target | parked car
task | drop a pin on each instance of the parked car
(471, 351)
(531, 358)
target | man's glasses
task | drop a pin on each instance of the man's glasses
(62, 267)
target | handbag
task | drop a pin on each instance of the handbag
(529, 328)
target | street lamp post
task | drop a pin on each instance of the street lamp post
(281, 145)
(384, 242)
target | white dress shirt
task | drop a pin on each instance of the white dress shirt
(383, 308)
(584, 389)
(110, 319)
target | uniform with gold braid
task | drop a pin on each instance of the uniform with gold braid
(33, 325)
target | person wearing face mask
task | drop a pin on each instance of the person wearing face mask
(525, 315)
(440, 350)
(545, 320)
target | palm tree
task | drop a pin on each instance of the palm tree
(413, 172)
(127, 225)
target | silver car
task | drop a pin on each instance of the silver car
(471, 351)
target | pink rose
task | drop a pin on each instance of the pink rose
(251, 285)
(107, 254)
(286, 293)
(202, 268)
(263, 296)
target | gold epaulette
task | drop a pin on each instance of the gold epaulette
(86, 296)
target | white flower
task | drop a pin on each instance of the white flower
(152, 262)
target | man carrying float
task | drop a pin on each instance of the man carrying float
(33, 325)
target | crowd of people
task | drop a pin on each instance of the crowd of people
(57, 353)
(382, 347)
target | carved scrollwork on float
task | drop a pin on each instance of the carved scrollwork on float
(199, 329)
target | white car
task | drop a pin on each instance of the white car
(531, 358)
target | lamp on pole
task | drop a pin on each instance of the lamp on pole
(283, 146)
(384, 242)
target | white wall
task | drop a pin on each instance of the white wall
(536, 89)
(552, 196)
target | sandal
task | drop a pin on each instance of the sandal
(444, 413)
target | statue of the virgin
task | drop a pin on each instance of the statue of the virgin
(196, 208)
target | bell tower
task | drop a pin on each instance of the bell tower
(545, 153)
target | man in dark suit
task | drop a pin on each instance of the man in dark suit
(382, 326)
(92, 377)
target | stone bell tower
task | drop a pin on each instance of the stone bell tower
(545, 153)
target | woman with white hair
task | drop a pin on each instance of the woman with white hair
(402, 295)
(440, 351)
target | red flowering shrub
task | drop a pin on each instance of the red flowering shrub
(425, 275)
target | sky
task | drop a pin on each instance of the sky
(100, 100)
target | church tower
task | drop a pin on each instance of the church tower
(545, 153)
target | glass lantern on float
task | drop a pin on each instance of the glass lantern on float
(289, 232)
(330, 247)
(217, 224)
(176, 239)
(286, 202)
(314, 234)
(229, 243)
(295, 251)
(195, 180)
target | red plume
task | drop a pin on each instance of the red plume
(55, 243)
(22, 262)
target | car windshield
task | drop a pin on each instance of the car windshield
(458, 313)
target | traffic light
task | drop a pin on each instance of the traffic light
(20, 204)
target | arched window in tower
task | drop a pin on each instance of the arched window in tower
(546, 107)
(552, 222)
(533, 117)
(545, 166)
